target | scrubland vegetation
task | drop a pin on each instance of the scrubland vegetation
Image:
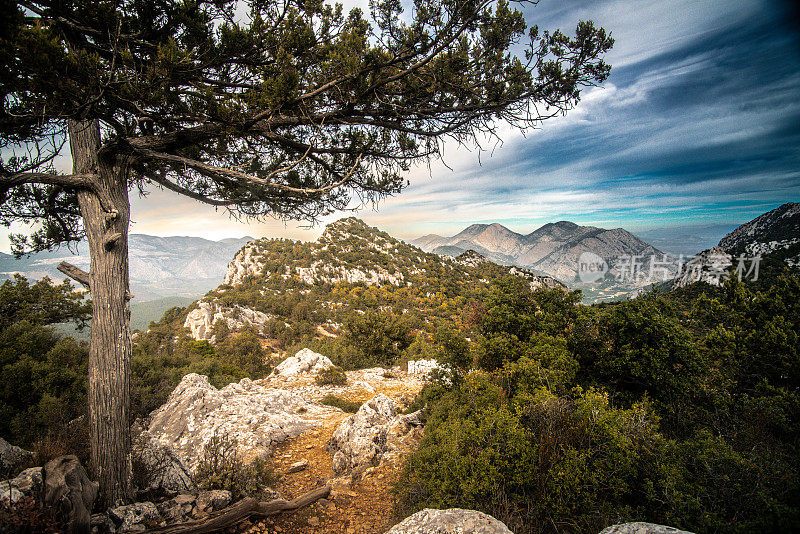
(678, 408)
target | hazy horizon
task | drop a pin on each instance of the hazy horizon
(697, 126)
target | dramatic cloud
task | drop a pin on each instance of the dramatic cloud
(697, 127)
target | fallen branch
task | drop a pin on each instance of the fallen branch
(238, 512)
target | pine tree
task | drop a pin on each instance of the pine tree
(288, 108)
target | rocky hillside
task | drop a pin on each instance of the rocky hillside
(272, 284)
(553, 249)
(159, 266)
(774, 235)
(775, 230)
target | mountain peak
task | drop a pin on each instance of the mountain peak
(472, 230)
(347, 222)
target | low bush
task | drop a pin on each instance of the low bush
(538, 461)
(222, 468)
(343, 404)
(27, 516)
(333, 376)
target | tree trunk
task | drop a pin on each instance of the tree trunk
(106, 215)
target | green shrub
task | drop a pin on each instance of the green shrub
(333, 375)
(43, 383)
(541, 460)
(343, 404)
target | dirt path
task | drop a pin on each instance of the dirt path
(355, 507)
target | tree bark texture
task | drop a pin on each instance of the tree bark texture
(106, 214)
(238, 512)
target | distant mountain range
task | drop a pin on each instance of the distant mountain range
(159, 266)
(553, 249)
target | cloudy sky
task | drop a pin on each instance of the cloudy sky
(697, 130)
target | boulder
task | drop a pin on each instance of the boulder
(213, 500)
(255, 416)
(642, 528)
(178, 509)
(69, 492)
(27, 484)
(451, 521)
(305, 361)
(136, 517)
(245, 263)
(157, 467)
(12, 456)
(363, 439)
(102, 524)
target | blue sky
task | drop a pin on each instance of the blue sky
(698, 127)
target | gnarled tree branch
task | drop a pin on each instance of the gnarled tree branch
(239, 175)
(238, 512)
(83, 181)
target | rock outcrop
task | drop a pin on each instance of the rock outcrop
(451, 521)
(158, 469)
(370, 435)
(200, 321)
(319, 271)
(26, 484)
(305, 361)
(641, 528)
(11, 456)
(255, 416)
(244, 264)
(771, 231)
(422, 368)
(710, 266)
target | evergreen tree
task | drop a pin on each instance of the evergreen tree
(289, 108)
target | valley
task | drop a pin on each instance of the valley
(396, 380)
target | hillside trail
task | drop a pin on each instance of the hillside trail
(362, 506)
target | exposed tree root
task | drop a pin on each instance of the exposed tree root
(238, 512)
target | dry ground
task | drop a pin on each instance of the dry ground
(355, 507)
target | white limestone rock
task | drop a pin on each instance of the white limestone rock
(26, 484)
(200, 321)
(136, 517)
(244, 264)
(162, 470)
(256, 416)
(450, 521)
(710, 266)
(11, 455)
(319, 271)
(370, 435)
(213, 500)
(305, 361)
